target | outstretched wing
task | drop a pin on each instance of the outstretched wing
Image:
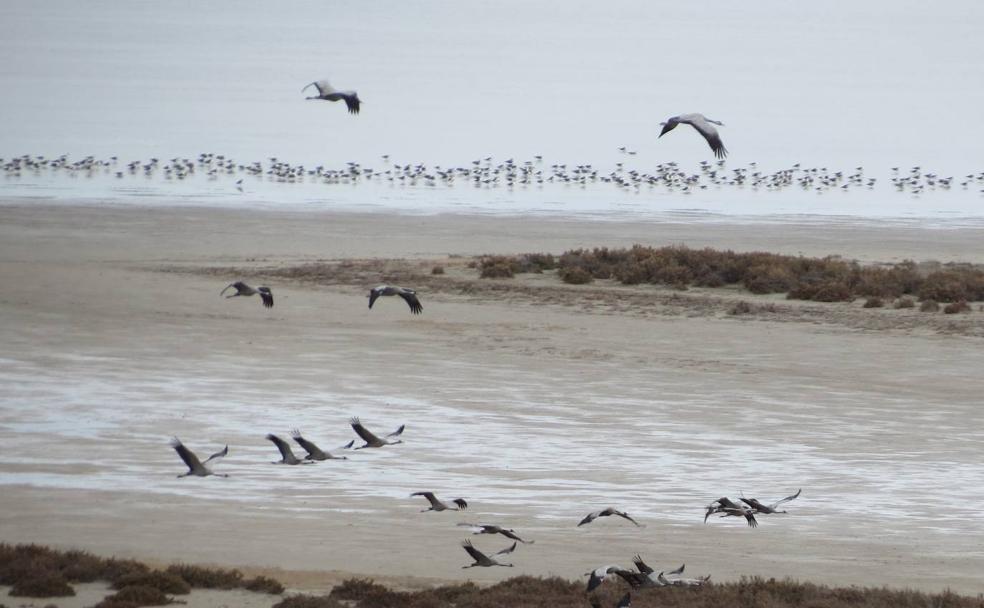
(712, 137)
(186, 455)
(283, 446)
(312, 450)
(411, 298)
(373, 296)
(625, 515)
(641, 565)
(787, 499)
(267, 296)
(352, 102)
(590, 517)
(462, 504)
(507, 550)
(323, 86)
(667, 127)
(398, 431)
(678, 570)
(239, 286)
(218, 455)
(429, 496)
(363, 432)
(477, 555)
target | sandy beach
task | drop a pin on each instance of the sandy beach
(539, 402)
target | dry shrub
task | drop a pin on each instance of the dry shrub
(504, 266)
(437, 270)
(956, 307)
(929, 306)
(166, 582)
(139, 595)
(822, 291)
(45, 583)
(309, 601)
(207, 578)
(905, 302)
(874, 302)
(740, 308)
(575, 276)
(355, 589)
(496, 268)
(264, 584)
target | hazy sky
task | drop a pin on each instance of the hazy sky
(839, 83)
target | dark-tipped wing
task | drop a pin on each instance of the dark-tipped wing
(352, 102)
(787, 499)
(412, 301)
(669, 126)
(514, 536)
(477, 555)
(429, 496)
(712, 137)
(590, 517)
(267, 296)
(283, 446)
(312, 450)
(373, 296)
(186, 455)
(634, 579)
(678, 570)
(398, 431)
(363, 432)
(239, 286)
(218, 455)
(750, 518)
(461, 502)
(641, 565)
(625, 515)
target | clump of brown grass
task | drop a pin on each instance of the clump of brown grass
(507, 266)
(874, 302)
(956, 307)
(166, 582)
(138, 595)
(356, 589)
(740, 307)
(929, 306)
(43, 583)
(264, 584)
(905, 302)
(575, 276)
(492, 268)
(207, 578)
(309, 601)
(437, 269)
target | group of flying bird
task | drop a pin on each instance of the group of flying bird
(266, 294)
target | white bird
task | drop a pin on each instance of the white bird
(484, 560)
(494, 529)
(242, 289)
(682, 582)
(371, 440)
(392, 290)
(329, 93)
(286, 454)
(437, 505)
(196, 467)
(703, 126)
(314, 452)
(590, 517)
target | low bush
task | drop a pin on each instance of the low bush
(874, 302)
(905, 302)
(956, 307)
(139, 595)
(43, 583)
(437, 270)
(166, 582)
(207, 578)
(264, 584)
(929, 306)
(575, 276)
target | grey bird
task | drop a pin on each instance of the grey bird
(597, 576)
(437, 505)
(329, 93)
(197, 468)
(729, 508)
(484, 560)
(494, 529)
(371, 440)
(316, 453)
(286, 454)
(590, 517)
(703, 125)
(392, 290)
(242, 289)
(646, 577)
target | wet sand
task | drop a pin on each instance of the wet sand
(536, 412)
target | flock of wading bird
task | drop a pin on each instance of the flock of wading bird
(642, 577)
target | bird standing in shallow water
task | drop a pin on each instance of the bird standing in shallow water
(329, 93)
(703, 125)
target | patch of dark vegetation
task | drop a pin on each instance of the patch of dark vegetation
(575, 276)
(264, 584)
(829, 279)
(136, 595)
(929, 306)
(905, 302)
(43, 583)
(874, 302)
(741, 307)
(507, 266)
(437, 270)
(530, 592)
(956, 307)
(35, 569)
(166, 582)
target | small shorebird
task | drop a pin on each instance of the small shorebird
(758, 507)
(197, 468)
(590, 517)
(484, 560)
(286, 454)
(392, 290)
(371, 440)
(437, 505)
(703, 126)
(314, 452)
(242, 289)
(494, 529)
(329, 93)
